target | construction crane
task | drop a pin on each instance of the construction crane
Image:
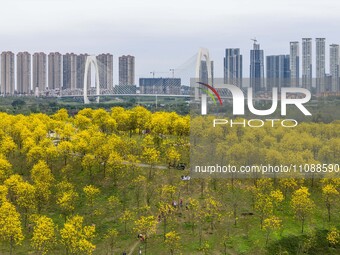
(156, 72)
(173, 72)
(254, 40)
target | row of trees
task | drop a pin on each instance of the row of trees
(78, 184)
(75, 237)
(41, 158)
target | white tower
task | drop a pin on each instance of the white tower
(91, 60)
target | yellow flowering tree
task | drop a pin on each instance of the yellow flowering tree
(43, 179)
(3, 193)
(5, 168)
(26, 199)
(172, 241)
(333, 236)
(302, 205)
(44, 236)
(10, 225)
(264, 206)
(77, 238)
(330, 195)
(165, 210)
(91, 193)
(270, 224)
(146, 225)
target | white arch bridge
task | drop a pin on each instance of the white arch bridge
(198, 66)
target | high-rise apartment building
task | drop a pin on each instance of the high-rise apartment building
(277, 71)
(320, 64)
(307, 63)
(160, 86)
(233, 67)
(69, 71)
(257, 68)
(80, 70)
(54, 70)
(23, 73)
(127, 70)
(105, 65)
(39, 71)
(203, 72)
(334, 67)
(294, 64)
(7, 73)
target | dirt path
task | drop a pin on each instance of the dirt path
(133, 247)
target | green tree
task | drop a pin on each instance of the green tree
(331, 196)
(113, 205)
(111, 237)
(126, 217)
(115, 162)
(91, 193)
(193, 207)
(205, 248)
(139, 182)
(18, 104)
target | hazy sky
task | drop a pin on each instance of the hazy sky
(164, 34)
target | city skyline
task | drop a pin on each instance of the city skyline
(26, 73)
(163, 30)
(216, 57)
(309, 60)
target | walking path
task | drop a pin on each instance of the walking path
(133, 248)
